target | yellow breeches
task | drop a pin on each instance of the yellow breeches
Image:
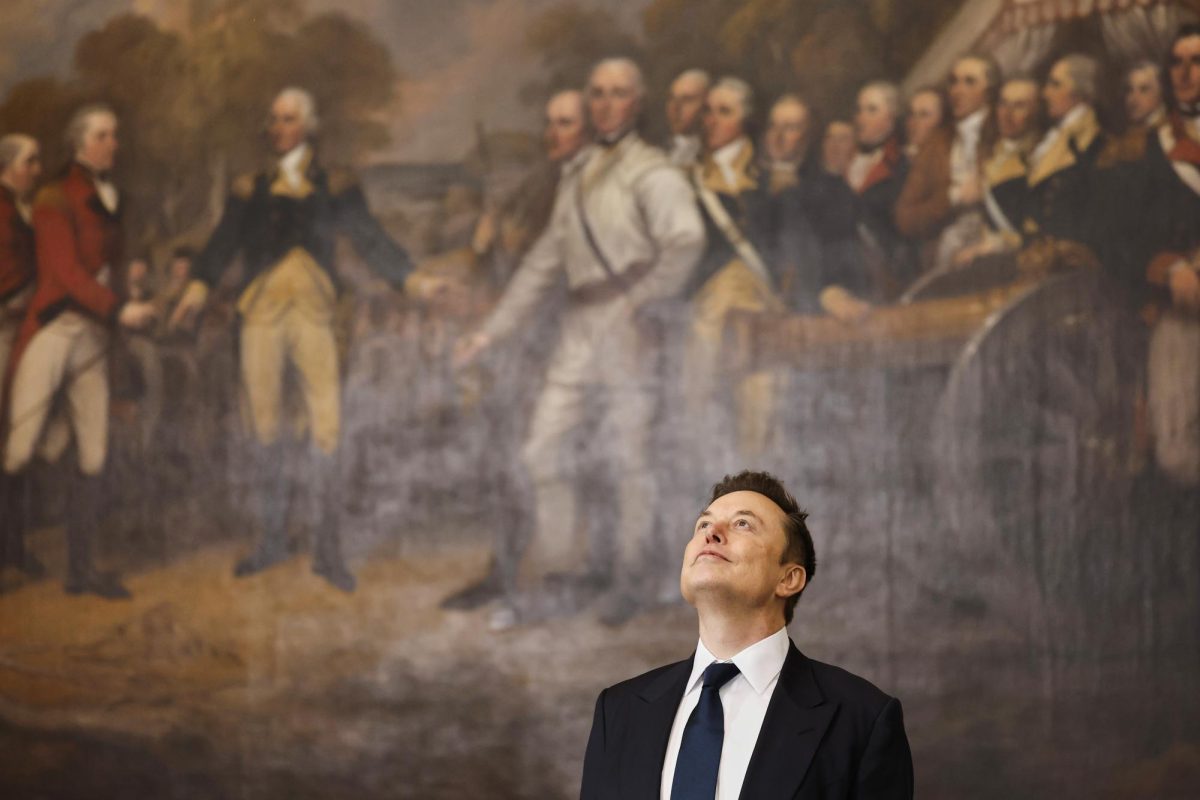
(735, 287)
(288, 318)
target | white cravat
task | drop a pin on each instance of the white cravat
(290, 165)
(744, 700)
(964, 153)
(1052, 135)
(724, 158)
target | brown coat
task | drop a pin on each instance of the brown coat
(923, 208)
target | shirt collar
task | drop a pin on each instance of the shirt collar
(573, 162)
(760, 663)
(972, 124)
(1071, 117)
(726, 155)
(292, 162)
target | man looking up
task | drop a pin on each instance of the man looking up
(688, 731)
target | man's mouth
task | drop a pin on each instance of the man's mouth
(712, 553)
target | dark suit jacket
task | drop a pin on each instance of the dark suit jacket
(827, 734)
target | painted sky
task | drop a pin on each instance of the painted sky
(463, 60)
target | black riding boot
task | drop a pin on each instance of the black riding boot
(325, 489)
(272, 499)
(14, 523)
(83, 523)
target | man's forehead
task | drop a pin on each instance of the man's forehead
(1187, 46)
(745, 500)
(688, 85)
(1015, 91)
(98, 120)
(612, 76)
(788, 111)
(969, 66)
(565, 105)
(871, 95)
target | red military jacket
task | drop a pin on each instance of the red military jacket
(76, 237)
(16, 247)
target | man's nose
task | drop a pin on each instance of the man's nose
(715, 533)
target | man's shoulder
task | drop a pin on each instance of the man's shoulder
(243, 185)
(53, 196)
(850, 690)
(647, 681)
(340, 179)
(642, 159)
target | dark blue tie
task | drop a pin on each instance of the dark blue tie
(700, 750)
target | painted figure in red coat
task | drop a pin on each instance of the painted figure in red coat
(61, 356)
(20, 168)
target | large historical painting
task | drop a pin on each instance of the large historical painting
(353, 426)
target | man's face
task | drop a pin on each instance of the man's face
(968, 87)
(98, 149)
(924, 115)
(180, 269)
(1185, 70)
(685, 102)
(736, 552)
(787, 132)
(837, 148)
(22, 173)
(723, 118)
(1059, 92)
(137, 272)
(285, 125)
(565, 132)
(1017, 109)
(1142, 94)
(873, 121)
(613, 100)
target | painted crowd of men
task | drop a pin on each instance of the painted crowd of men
(656, 249)
(993, 165)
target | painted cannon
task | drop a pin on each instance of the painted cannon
(1019, 433)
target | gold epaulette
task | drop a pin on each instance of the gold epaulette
(51, 196)
(340, 180)
(243, 186)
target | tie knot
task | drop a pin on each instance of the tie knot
(717, 675)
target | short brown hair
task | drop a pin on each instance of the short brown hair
(799, 548)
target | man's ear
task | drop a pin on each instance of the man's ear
(792, 581)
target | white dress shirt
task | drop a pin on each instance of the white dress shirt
(964, 153)
(744, 700)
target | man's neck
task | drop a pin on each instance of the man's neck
(614, 138)
(727, 632)
(91, 169)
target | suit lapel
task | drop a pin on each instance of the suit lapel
(650, 721)
(796, 720)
